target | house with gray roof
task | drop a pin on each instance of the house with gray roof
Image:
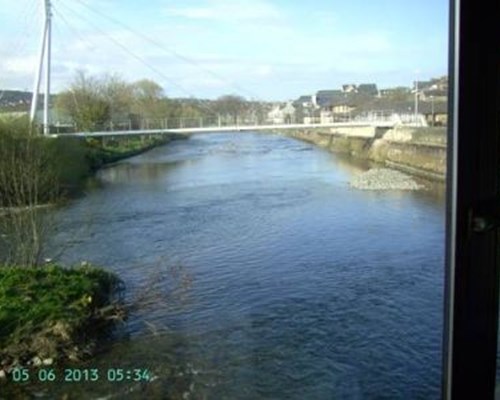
(305, 101)
(369, 89)
(349, 88)
(325, 97)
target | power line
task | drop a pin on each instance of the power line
(28, 16)
(75, 32)
(30, 11)
(127, 50)
(132, 54)
(164, 48)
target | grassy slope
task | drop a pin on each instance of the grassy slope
(48, 312)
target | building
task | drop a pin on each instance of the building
(325, 97)
(396, 93)
(282, 114)
(435, 112)
(339, 109)
(349, 88)
(436, 88)
(305, 101)
(368, 89)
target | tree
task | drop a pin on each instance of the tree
(149, 99)
(300, 113)
(28, 178)
(86, 102)
(231, 105)
(147, 90)
(399, 93)
(119, 94)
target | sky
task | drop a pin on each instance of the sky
(260, 49)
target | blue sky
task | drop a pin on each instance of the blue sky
(262, 49)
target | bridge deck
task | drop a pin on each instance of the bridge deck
(235, 128)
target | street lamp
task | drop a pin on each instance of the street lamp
(416, 100)
(432, 110)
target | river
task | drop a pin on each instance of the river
(297, 286)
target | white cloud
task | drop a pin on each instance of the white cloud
(264, 70)
(265, 46)
(370, 42)
(20, 65)
(228, 10)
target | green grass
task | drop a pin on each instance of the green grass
(49, 310)
(100, 153)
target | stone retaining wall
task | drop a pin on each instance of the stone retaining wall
(419, 151)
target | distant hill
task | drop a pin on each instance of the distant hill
(15, 100)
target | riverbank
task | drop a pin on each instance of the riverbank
(52, 314)
(57, 168)
(416, 151)
(108, 151)
(384, 179)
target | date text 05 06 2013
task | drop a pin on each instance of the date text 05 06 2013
(21, 375)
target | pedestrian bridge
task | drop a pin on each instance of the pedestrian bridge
(237, 128)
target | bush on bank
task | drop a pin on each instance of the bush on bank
(102, 152)
(55, 313)
(36, 170)
(48, 312)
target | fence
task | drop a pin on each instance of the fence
(372, 117)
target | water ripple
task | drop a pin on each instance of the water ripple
(302, 288)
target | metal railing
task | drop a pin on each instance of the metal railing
(372, 117)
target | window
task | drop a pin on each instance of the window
(473, 181)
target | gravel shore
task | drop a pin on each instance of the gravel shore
(384, 179)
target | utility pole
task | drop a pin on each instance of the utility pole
(432, 109)
(46, 117)
(416, 101)
(44, 51)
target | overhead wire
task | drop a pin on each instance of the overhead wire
(75, 32)
(132, 54)
(29, 18)
(18, 45)
(64, 43)
(170, 51)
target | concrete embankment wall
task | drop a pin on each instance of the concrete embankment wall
(418, 151)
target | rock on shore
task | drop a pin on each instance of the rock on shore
(384, 179)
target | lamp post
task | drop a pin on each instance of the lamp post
(432, 110)
(416, 100)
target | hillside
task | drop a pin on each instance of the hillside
(15, 100)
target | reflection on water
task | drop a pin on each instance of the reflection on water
(303, 288)
(143, 173)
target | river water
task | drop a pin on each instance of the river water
(297, 286)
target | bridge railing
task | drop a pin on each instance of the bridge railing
(372, 117)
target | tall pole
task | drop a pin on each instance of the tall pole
(416, 100)
(38, 74)
(432, 109)
(44, 51)
(48, 19)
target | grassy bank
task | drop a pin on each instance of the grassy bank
(39, 170)
(103, 152)
(50, 314)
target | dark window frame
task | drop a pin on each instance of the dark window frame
(472, 247)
